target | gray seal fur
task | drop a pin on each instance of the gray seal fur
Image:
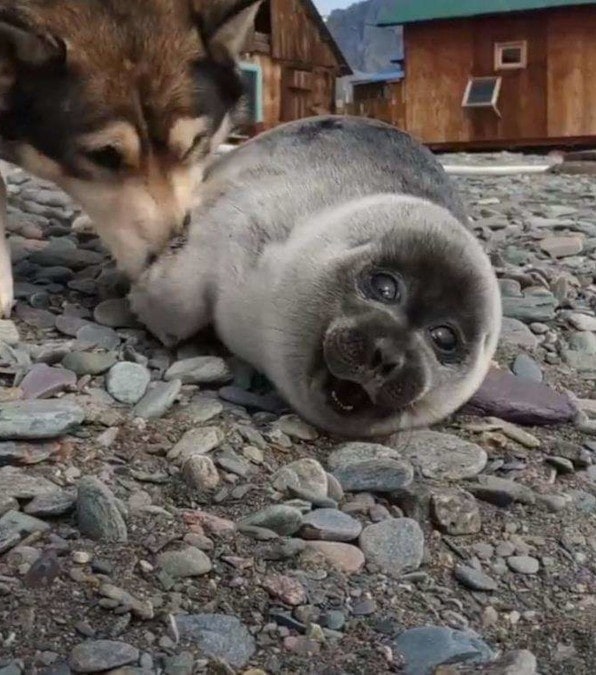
(333, 254)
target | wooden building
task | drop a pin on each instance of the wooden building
(379, 96)
(291, 64)
(495, 73)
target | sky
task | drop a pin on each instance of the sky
(325, 6)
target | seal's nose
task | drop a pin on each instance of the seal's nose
(386, 359)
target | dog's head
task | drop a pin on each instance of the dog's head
(121, 104)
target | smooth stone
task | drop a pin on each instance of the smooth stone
(94, 656)
(38, 318)
(51, 504)
(444, 456)
(15, 524)
(581, 322)
(115, 313)
(562, 247)
(330, 525)
(343, 557)
(375, 475)
(62, 252)
(514, 399)
(354, 453)
(395, 545)
(188, 562)
(526, 367)
(38, 419)
(94, 335)
(501, 491)
(523, 564)
(196, 442)
(19, 484)
(158, 399)
(200, 370)
(98, 515)
(9, 333)
(70, 324)
(128, 382)
(530, 308)
(456, 512)
(89, 363)
(200, 473)
(294, 427)
(219, 636)
(270, 403)
(306, 474)
(517, 334)
(43, 381)
(279, 518)
(232, 462)
(201, 410)
(425, 648)
(474, 579)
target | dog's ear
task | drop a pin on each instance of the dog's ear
(225, 25)
(29, 48)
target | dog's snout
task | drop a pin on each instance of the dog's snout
(186, 220)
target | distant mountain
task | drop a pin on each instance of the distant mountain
(368, 49)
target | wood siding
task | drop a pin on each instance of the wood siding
(299, 67)
(552, 99)
(381, 101)
(572, 72)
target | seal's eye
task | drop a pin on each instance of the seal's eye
(384, 287)
(445, 339)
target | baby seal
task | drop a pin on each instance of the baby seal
(333, 255)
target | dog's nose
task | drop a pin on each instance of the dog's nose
(186, 221)
(386, 359)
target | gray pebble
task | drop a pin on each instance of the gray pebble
(200, 370)
(188, 562)
(98, 515)
(330, 525)
(219, 636)
(128, 382)
(89, 363)
(158, 399)
(523, 564)
(395, 545)
(98, 655)
(526, 367)
(38, 419)
(279, 518)
(474, 579)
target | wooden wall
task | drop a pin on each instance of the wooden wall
(553, 97)
(299, 68)
(572, 72)
(381, 101)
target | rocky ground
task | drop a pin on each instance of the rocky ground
(162, 513)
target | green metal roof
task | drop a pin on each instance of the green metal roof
(410, 11)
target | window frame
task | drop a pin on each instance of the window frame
(495, 97)
(256, 68)
(500, 47)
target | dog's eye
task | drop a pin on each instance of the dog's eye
(445, 339)
(384, 287)
(107, 157)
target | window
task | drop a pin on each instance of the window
(252, 77)
(482, 92)
(511, 55)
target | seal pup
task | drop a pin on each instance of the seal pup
(333, 254)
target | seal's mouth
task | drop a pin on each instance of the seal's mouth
(346, 397)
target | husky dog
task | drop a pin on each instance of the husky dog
(119, 103)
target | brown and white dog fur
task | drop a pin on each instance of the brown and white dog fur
(120, 103)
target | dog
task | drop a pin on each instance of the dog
(120, 103)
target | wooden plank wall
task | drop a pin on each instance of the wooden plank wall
(296, 37)
(572, 72)
(554, 96)
(372, 101)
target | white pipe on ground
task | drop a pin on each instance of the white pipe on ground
(455, 169)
